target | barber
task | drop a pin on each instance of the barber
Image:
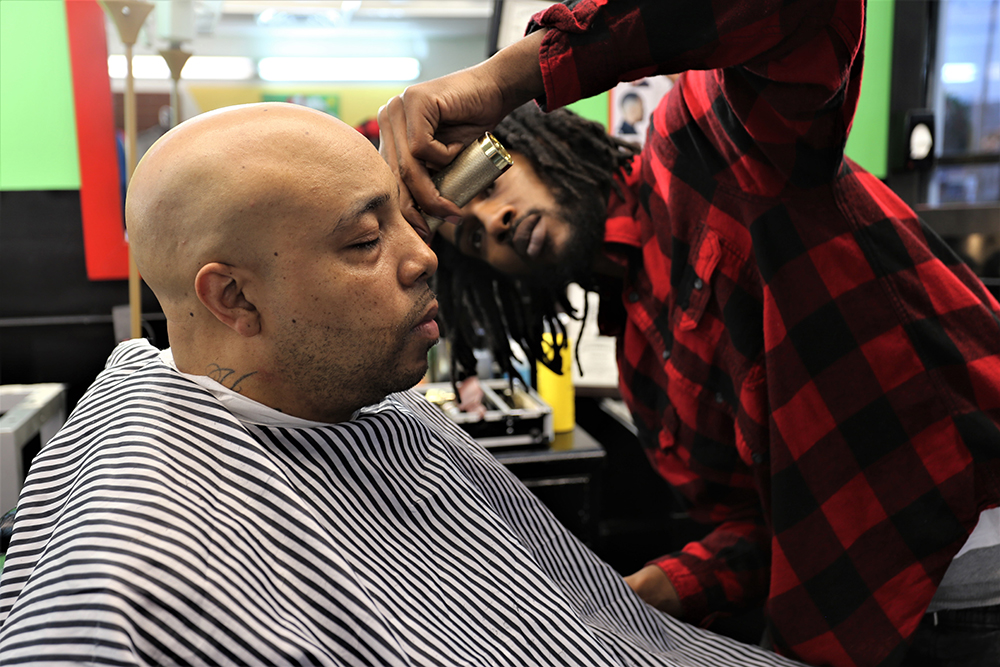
(861, 361)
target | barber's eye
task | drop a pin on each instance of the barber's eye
(476, 240)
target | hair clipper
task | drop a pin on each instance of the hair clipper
(470, 173)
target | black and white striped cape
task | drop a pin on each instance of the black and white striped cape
(158, 529)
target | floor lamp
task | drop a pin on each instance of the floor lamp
(128, 17)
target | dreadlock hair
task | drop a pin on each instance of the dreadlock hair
(484, 308)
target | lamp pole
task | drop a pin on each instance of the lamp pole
(176, 57)
(128, 17)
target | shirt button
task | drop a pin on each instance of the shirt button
(756, 458)
(698, 283)
(633, 297)
(719, 398)
(666, 354)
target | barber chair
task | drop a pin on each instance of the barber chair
(6, 528)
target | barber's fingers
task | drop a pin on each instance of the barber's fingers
(432, 122)
(395, 128)
(470, 396)
(388, 150)
(413, 216)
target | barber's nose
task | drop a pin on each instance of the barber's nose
(495, 217)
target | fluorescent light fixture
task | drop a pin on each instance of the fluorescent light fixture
(143, 67)
(218, 68)
(211, 68)
(958, 72)
(338, 69)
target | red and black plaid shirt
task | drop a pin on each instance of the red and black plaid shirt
(807, 363)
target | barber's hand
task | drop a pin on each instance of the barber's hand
(652, 585)
(470, 396)
(427, 126)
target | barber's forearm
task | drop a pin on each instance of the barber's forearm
(517, 71)
(653, 585)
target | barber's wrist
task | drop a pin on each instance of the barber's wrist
(517, 72)
(653, 585)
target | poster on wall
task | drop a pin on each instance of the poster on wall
(326, 103)
(510, 19)
(630, 105)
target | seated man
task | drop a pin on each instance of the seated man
(257, 494)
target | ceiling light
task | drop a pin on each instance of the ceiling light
(338, 69)
(143, 67)
(214, 68)
(218, 68)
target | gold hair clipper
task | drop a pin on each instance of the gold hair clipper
(470, 173)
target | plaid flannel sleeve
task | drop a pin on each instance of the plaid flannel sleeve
(723, 573)
(594, 44)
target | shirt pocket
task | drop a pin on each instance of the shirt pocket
(700, 358)
(694, 290)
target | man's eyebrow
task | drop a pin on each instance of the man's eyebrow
(373, 204)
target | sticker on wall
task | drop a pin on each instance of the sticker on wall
(326, 103)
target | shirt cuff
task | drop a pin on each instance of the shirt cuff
(555, 56)
(689, 589)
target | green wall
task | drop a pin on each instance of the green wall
(868, 144)
(593, 108)
(37, 121)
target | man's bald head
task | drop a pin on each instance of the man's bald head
(272, 237)
(213, 188)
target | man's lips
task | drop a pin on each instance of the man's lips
(528, 237)
(427, 325)
(432, 311)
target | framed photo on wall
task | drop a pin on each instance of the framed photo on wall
(510, 18)
(630, 105)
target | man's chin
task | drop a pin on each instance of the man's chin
(571, 265)
(572, 261)
(410, 378)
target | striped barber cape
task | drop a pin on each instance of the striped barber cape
(158, 529)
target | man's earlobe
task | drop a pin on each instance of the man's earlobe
(220, 289)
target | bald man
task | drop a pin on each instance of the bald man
(267, 238)
(258, 494)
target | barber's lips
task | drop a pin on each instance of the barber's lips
(529, 237)
(427, 326)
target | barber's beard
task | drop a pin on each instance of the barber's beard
(586, 220)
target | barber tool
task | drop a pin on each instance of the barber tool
(516, 416)
(470, 173)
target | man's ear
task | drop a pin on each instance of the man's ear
(220, 289)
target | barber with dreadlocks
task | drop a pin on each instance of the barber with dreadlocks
(806, 362)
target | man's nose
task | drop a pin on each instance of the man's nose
(495, 217)
(419, 261)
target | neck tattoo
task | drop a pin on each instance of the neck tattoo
(227, 377)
